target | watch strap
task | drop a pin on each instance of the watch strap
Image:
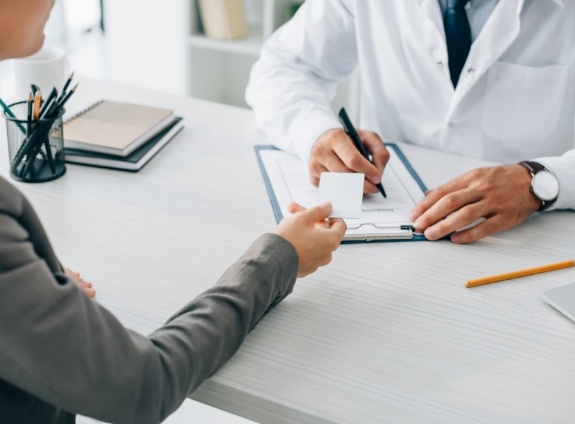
(532, 166)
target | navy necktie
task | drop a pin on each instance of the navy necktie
(457, 35)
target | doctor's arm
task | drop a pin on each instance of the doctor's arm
(499, 197)
(295, 79)
(293, 82)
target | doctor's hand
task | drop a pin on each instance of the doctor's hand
(500, 195)
(335, 152)
(313, 235)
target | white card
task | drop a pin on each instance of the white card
(344, 191)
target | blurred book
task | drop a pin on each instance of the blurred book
(135, 160)
(115, 128)
(223, 19)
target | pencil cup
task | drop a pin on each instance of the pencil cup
(36, 149)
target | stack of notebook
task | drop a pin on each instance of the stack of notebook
(118, 135)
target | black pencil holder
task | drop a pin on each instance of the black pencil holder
(36, 148)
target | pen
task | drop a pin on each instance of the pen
(52, 110)
(53, 95)
(46, 107)
(33, 145)
(520, 273)
(352, 133)
(29, 112)
(11, 115)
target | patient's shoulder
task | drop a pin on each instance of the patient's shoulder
(12, 201)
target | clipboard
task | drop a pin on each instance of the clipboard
(286, 178)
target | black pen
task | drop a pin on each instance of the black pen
(53, 96)
(352, 133)
(63, 101)
(29, 114)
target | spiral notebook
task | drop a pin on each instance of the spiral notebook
(115, 128)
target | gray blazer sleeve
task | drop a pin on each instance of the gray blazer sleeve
(66, 349)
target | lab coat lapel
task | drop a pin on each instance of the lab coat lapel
(433, 12)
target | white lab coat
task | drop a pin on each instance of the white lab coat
(515, 99)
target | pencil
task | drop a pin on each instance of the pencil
(37, 104)
(520, 273)
(62, 102)
(68, 81)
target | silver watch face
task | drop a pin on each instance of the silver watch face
(545, 185)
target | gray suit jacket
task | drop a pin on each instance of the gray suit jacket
(61, 351)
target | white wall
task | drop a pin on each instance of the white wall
(146, 43)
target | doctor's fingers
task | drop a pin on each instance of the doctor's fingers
(335, 152)
(483, 215)
(504, 217)
(433, 196)
(436, 220)
(376, 148)
(333, 163)
(315, 170)
(484, 228)
(352, 159)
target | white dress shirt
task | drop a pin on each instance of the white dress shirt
(515, 99)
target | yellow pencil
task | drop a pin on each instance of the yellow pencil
(37, 104)
(520, 273)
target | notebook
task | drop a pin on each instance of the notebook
(135, 160)
(287, 179)
(115, 128)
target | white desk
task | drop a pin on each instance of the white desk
(386, 333)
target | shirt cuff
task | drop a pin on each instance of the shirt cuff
(308, 130)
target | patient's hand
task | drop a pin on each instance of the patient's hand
(84, 285)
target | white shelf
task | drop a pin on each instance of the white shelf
(249, 45)
(218, 70)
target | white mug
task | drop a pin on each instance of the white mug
(47, 69)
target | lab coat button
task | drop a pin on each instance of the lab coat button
(440, 65)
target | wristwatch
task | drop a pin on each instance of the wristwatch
(544, 184)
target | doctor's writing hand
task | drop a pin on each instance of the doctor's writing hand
(498, 194)
(313, 235)
(335, 152)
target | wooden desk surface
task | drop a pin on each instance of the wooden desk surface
(386, 333)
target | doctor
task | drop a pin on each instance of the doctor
(484, 78)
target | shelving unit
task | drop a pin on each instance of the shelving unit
(219, 70)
